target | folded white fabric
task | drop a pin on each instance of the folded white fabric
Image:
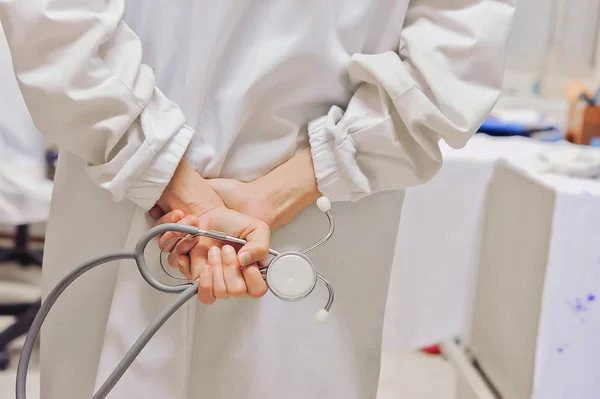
(571, 160)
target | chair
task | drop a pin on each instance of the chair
(20, 252)
(24, 312)
(24, 191)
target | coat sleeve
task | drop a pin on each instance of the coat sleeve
(441, 84)
(80, 71)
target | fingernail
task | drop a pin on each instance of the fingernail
(245, 258)
(181, 264)
(228, 250)
(213, 251)
(176, 217)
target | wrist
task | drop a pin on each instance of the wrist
(289, 189)
(189, 192)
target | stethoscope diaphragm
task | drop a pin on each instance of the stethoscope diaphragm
(291, 276)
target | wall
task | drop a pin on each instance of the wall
(555, 38)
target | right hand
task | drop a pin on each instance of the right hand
(226, 275)
(188, 192)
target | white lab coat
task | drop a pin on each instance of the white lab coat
(370, 86)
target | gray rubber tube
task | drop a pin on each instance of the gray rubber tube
(185, 292)
(133, 352)
(143, 340)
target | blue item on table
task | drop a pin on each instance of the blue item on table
(495, 127)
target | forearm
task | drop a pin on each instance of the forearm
(290, 188)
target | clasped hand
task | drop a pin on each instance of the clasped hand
(223, 271)
(245, 210)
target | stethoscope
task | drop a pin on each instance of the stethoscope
(290, 275)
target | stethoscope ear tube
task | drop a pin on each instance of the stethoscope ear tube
(186, 291)
(45, 308)
(143, 340)
(140, 260)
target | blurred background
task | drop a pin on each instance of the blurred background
(505, 305)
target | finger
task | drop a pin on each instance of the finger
(205, 286)
(200, 253)
(171, 217)
(254, 231)
(168, 240)
(184, 262)
(156, 212)
(216, 265)
(257, 286)
(257, 249)
(182, 248)
(234, 280)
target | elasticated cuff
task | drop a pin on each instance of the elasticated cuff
(323, 145)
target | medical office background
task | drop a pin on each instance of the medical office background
(495, 283)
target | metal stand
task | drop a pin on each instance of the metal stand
(20, 253)
(24, 312)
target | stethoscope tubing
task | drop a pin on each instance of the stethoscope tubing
(185, 292)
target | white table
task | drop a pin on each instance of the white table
(438, 244)
(536, 317)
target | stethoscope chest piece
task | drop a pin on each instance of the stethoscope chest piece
(291, 276)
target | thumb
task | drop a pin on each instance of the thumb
(253, 252)
(257, 248)
(255, 232)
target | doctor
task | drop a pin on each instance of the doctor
(269, 103)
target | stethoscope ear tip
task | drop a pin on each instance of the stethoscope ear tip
(324, 204)
(322, 316)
